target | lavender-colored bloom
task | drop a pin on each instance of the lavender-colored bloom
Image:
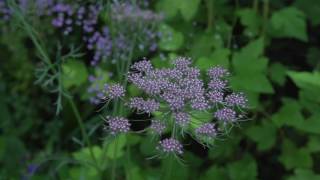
(182, 118)
(5, 12)
(217, 84)
(147, 106)
(142, 66)
(170, 145)
(226, 115)
(114, 91)
(63, 17)
(157, 126)
(199, 103)
(217, 72)
(117, 125)
(206, 130)
(182, 63)
(215, 96)
(236, 99)
(101, 43)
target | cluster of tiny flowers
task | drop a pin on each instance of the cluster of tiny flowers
(136, 22)
(101, 44)
(182, 118)
(146, 106)
(170, 145)
(226, 115)
(236, 99)
(96, 90)
(4, 11)
(157, 126)
(117, 125)
(181, 91)
(132, 13)
(206, 130)
(114, 91)
(63, 17)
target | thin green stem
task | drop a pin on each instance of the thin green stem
(210, 18)
(83, 132)
(265, 16)
(255, 5)
(114, 162)
(168, 168)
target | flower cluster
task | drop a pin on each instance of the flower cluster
(117, 125)
(4, 11)
(170, 145)
(181, 92)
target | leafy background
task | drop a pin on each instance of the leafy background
(272, 48)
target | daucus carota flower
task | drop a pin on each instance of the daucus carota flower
(225, 115)
(170, 145)
(157, 126)
(217, 72)
(189, 104)
(63, 17)
(5, 12)
(114, 91)
(206, 130)
(182, 118)
(117, 125)
(146, 106)
(236, 99)
(215, 96)
(217, 84)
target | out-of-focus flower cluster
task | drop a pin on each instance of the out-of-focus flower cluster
(110, 33)
(4, 11)
(179, 94)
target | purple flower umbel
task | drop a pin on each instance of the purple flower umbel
(114, 91)
(206, 130)
(117, 125)
(225, 115)
(170, 145)
(157, 126)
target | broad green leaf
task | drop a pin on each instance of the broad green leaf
(250, 19)
(247, 66)
(292, 157)
(74, 73)
(244, 169)
(304, 174)
(85, 156)
(289, 22)
(215, 172)
(289, 114)
(254, 49)
(188, 8)
(224, 149)
(306, 80)
(77, 173)
(171, 39)
(313, 56)
(311, 8)
(257, 83)
(202, 45)
(264, 135)
(313, 144)
(115, 148)
(310, 125)
(278, 73)
(168, 8)
(219, 57)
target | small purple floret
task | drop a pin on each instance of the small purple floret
(170, 145)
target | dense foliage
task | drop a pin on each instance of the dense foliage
(95, 89)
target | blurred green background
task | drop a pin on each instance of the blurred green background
(272, 48)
